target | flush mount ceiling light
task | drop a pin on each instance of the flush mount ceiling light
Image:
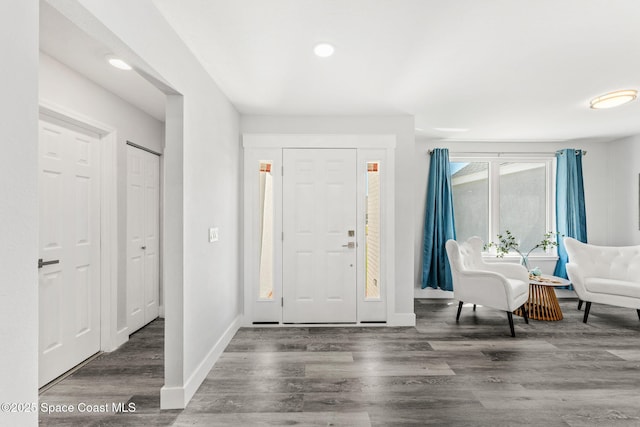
(118, 63)
(323, 50)
(614, 99)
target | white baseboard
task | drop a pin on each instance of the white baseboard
(432, 293)
(565, 293)
(179, 397)
(172, 398)
(120, 337)
(246, 321)
(402, 319)
(440, 294)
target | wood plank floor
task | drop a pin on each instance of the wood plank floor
(471, 373)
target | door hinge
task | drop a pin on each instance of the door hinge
(282, 236)
(281, 170)
(282, 302)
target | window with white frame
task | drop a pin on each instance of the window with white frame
(495, 194)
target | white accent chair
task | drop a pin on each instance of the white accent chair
(503, 286)
(604, 274)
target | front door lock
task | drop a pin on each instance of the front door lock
(350, 245)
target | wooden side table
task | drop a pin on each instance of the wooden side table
(543, 302)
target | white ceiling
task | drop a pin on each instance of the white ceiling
(506, 70)
(62, 40)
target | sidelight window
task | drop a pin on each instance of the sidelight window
(266, 230)
(372, 231)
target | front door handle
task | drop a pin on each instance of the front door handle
(43, 263)
(350, 245)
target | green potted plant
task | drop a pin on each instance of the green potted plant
(507, 242)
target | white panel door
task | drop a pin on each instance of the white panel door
(319, 210)
(143, 227)
(69, 280)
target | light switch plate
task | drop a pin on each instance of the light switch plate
(213, 234)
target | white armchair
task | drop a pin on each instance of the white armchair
(604, 274)
(502, 286)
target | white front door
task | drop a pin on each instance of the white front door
(319, 223)
(69, 274)
(143, 228)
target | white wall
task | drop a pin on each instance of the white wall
(624, 168)
(594, 175)
(202, 188)
(19, 209)
(64, 87)
(403, 128)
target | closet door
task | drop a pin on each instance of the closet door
(143, 229)
(69, 267)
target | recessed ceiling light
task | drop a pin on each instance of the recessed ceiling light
(323, 50)
(118, 63)
(614, 99)
(451, 129)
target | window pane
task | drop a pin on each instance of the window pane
(523, 202)
(266, 230)
(372, 231)
(470, 185)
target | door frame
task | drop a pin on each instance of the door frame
(269, 147)
(110, 336)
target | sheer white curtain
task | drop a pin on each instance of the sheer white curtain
(266, 246)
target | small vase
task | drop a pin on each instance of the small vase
(525, 262)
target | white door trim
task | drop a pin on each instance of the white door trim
(110, 336)
(272, 140)
(269, 146)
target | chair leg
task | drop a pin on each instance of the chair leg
(474, 307)
(510, 316)
(459, 310)
(580, 304)
(586, 311)
(524, 313)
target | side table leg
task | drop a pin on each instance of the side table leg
(554, 313)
